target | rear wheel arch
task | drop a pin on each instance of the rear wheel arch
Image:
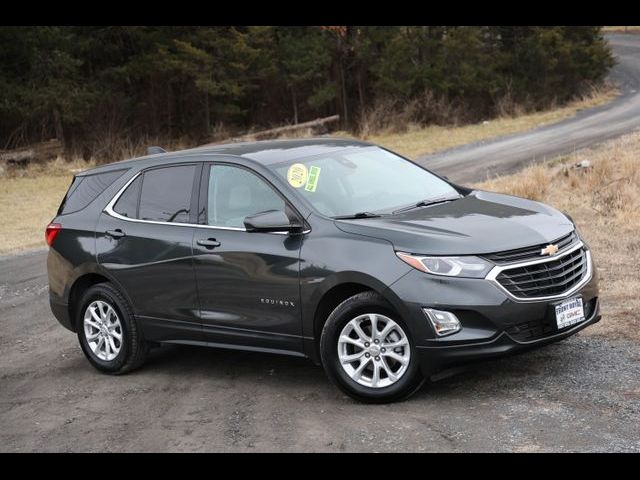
(119, 325)
(79, 287)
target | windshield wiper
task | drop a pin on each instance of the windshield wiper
(427, 203)
(357, 215)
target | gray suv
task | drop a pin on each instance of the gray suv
(330, 249)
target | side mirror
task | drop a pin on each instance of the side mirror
(271, 221)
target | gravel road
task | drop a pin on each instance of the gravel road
(582, 394)
(479, 161)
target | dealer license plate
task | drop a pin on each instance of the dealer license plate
(569, 312)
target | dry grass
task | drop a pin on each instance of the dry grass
(424, 140)
(619, 29)
(29, 199)
(393, 115)
(604, 201)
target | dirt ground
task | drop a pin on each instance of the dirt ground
(582, 394)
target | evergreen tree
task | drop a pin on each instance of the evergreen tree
(87, 83)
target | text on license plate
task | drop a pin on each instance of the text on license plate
(569, 312)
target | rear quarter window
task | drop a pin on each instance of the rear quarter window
(127, 204)
(85, 189)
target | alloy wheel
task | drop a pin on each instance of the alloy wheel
(374, 350)
(103, 330)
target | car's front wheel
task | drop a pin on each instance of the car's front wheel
(107, 330)
(367, 351)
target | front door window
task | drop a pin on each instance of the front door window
(235, 193)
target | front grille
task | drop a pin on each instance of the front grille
(530, 253)
(553, 277)
(544, 327)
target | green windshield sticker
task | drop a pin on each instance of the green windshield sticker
(312, 182)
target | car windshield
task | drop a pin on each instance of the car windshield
(360, 180)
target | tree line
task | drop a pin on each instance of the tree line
(83, 83)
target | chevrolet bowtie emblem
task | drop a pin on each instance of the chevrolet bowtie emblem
(549, 250)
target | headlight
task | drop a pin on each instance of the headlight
(467, 266)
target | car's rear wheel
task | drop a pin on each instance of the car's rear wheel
(367, 351)
(107, 331)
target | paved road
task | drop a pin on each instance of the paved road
(582, 394)
(508, 154)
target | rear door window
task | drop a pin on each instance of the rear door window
(85, 189)
(166, 194)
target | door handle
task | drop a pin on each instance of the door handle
(209, 243)
(117, 233)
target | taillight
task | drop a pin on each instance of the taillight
(51, 232)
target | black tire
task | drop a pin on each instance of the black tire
(362, 303)
(133, 350)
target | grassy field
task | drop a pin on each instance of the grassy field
(604, 201)
(30, 197)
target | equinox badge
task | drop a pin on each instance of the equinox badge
(274, 301)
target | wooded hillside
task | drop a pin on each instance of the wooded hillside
(84, 84)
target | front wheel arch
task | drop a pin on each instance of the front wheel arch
(338, 289)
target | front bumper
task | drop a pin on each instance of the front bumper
(435, 358)
(493, 323)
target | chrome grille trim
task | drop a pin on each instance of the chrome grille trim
(498, 269)
(510, 257)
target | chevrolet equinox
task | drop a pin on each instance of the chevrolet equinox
(330, 249)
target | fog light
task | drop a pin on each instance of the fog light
(444, 323)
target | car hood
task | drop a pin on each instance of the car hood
(480, 223)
